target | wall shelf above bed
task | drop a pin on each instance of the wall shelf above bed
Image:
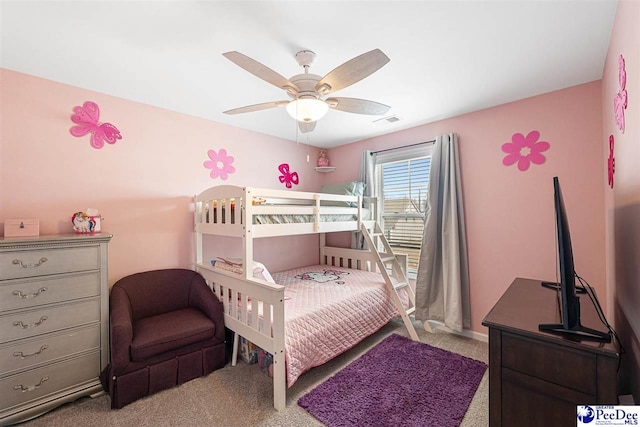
(325, 169)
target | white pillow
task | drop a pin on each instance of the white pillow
(354, 188)
(234, 265)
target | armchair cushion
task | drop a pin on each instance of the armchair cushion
(165, 332)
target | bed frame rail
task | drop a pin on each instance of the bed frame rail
(356, 259)
(228, 210)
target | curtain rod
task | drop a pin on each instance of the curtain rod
(404, 146)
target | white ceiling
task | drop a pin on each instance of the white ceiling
(447, 57)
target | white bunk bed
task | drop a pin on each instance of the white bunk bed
(249, 213)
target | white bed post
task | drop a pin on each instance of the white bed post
(359, 217)
(316, 214)
(279, 367)
(323, 245)
(245, 215)
(197, 218)
(247, 238)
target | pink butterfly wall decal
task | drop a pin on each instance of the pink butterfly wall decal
(287, 178)
(86, 120)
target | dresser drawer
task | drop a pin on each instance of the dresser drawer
(49, 379)
(17, 264)
(23, 354)
(558, 365)
(48, 319)
(21, 293)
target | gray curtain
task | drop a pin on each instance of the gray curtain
(368, 176)
(442, 283)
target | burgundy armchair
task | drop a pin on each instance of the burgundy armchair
(167, 327)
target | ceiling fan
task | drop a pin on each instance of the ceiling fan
(309, 93)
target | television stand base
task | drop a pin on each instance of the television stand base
(577, 331)
(556, 286)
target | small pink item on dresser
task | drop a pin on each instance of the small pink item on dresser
(84, 223)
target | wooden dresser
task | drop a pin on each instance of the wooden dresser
(54, 322)
(537, 378)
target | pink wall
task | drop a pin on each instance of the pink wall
(143, 184)
(623, 201)
(510, 214)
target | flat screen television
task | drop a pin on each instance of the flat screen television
(569, 301)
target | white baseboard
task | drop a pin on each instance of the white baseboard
(434, 324)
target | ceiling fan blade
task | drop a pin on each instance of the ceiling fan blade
(306, 127)
(257, 107)
(259, 70)
(352, 71)
(358, 106)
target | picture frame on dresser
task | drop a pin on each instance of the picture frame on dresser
(54, 321)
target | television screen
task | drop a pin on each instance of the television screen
(569, 301)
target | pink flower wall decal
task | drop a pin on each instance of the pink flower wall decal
(86, 119)
(611, 162)
(287, 177)
(620, 98)
(220, 164)
(525, 150)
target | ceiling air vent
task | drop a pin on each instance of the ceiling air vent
(385, 120)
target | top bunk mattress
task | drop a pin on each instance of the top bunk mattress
(328, 214)
(301, 218)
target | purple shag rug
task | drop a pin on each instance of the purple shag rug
(399, 382)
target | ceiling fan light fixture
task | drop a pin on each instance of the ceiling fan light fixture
(307, 109)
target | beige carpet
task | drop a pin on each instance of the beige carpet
(242, 395)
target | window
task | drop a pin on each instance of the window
(402, 181)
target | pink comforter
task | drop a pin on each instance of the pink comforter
(329, 310)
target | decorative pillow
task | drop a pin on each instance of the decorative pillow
(354, 188)
(234, 265)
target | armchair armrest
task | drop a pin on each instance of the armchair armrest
(121, 329)
(203, 298)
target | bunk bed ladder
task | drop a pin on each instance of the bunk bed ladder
(383, 259)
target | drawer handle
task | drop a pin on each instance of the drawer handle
(21, 355)
(34, 265)
(30, 388)
(25, 296)
(26, 325)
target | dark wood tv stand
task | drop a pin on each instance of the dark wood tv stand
(537, 378)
